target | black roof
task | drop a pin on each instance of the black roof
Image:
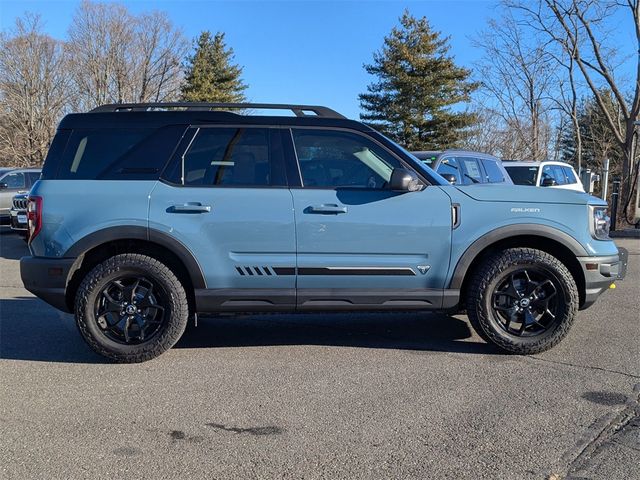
(149, 115)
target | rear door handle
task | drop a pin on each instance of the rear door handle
(328, 208)
(194, 207)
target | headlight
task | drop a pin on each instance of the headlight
(599, 222)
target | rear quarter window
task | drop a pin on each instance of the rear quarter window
(118, 154)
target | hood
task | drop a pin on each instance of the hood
(526, 194)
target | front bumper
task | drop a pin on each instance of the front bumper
(18, 220)
(46, 278)
(600, 273)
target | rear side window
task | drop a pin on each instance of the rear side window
(33, 177)
(238, 157)
(90, 153)
(494, 173)
(523, 175)
(54, 156)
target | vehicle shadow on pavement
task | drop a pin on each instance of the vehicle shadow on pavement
(403, 331)
(32, 330)
(12, 246)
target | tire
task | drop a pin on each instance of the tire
(522, 300)
(131, 308)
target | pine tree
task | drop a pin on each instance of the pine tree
(210, 74)
(417, 84)
(598, 142)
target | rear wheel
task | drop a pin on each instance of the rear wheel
(523, 300)
(131, 308)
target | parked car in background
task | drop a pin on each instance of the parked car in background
(18, 214)
(544, 174)
(14, 181)
(461, 167)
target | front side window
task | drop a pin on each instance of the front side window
(472, 170)
(334, 159)
(450, 166)
(14, 180)
(494, 173)
(553, 172)
(231, 157)
(568, 172)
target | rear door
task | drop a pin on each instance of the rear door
(225, 197)
(361, 245)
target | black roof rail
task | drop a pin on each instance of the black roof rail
(298, 110)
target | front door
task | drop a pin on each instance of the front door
(359, 244)
(226, 199)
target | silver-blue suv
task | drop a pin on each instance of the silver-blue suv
(147, 215)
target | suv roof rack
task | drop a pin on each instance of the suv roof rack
(298, 110)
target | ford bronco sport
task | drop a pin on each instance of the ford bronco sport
(150, 214)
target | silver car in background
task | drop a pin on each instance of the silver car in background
(14, 181)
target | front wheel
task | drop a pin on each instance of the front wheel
(523, 300)
(131, 308)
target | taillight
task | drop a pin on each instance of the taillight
(34, 216)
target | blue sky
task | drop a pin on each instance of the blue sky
(293, 51)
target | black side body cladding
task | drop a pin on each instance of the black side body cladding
(110, 234)
(542, 231)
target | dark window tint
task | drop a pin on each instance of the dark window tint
(332, 159)
(472, 171)
(33, 177)
(147, 158)
(14, 180)
(568, 172)
(54, 156)
(450, 166)
(232, 157)
(523, 175)
(90, 153)
(494, 173)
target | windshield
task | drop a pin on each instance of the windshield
(523, 175)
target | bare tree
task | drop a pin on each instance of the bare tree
(33, 92)
(516, 75)
(119, 57)
(582, 27)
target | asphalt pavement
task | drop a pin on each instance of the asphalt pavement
(320, 396)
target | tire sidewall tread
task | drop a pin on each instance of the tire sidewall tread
(480, 290)
(90, 288)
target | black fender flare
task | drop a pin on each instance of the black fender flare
(133, 232)
(502, 233)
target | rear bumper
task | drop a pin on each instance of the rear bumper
(600, 273)
(46, 278)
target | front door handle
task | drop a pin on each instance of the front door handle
(194, 207)
(326, 209)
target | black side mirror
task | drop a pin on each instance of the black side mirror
(449, 177)
(403, 180)
(548, 182)
(3, 186)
